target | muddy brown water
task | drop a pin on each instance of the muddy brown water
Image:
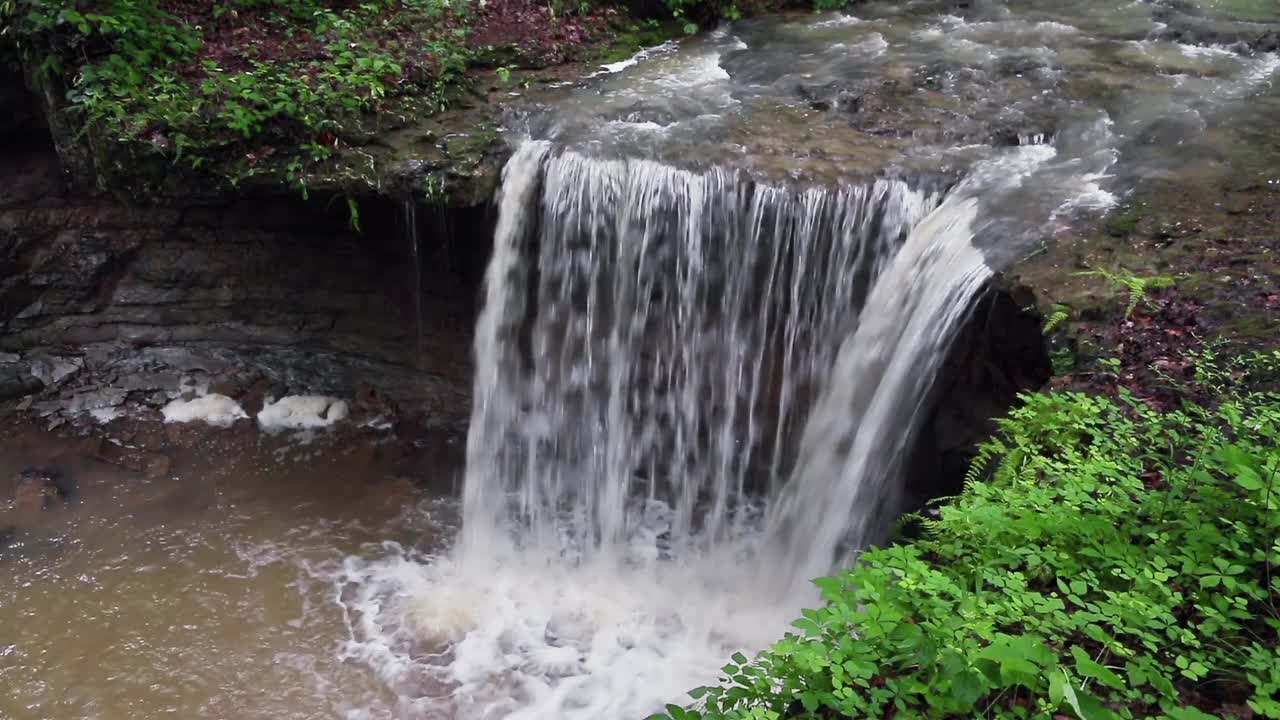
(207, 594)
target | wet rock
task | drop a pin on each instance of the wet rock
(149, 381)
(234, 383)
(1269, 42)
(187, 434)
(369, 404)
(52, 371)
(249, 388)
(17, 381)
(641, 113)
(37, 490)
(101, 402)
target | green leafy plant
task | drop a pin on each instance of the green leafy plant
(143, 75)
(1060, 314)
(1136, 285)
(1105, 560)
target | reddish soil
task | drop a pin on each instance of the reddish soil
(541, 35)
(1152, 346)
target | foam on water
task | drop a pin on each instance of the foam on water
(525, 635)
(642, 54)
(301, 412)
(213, 409)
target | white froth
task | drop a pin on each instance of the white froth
(524, 636)
(839, 20)
(213, 409)
(302, 412)
(643, 54)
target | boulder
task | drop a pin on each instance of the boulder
(37, 490)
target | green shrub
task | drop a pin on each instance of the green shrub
(1117, 562)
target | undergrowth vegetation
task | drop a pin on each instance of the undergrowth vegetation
(190, 76)
(1105, 560)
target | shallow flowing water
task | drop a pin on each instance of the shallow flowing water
(723, 278)
(215, 593)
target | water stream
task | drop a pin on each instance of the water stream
(414, 242)
(723, 278)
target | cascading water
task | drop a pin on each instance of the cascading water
(648, 337)
(651, 343)
(696, 388)
(842, 492)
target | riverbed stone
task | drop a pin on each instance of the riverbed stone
(37, 490)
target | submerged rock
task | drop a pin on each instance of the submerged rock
(1268, 42)
(37, 490)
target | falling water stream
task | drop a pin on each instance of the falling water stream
(414, 242)
(723, 278)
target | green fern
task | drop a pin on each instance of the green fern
(1055, 320)
(1137, 285)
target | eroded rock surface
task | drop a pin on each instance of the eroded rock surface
(107, 310)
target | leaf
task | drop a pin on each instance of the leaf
(1188, 713)
(1243, 465)
(1087, 667)
(809, 627)
(967, 688)
(1069, 694)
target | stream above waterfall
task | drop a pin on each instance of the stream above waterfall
(723, 279)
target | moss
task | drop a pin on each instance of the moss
(1123, 222)
(631, 37)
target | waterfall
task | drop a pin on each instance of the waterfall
(854, 444)
(651, 340)
(694, 392)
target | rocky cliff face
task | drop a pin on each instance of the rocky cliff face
(272, 286)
